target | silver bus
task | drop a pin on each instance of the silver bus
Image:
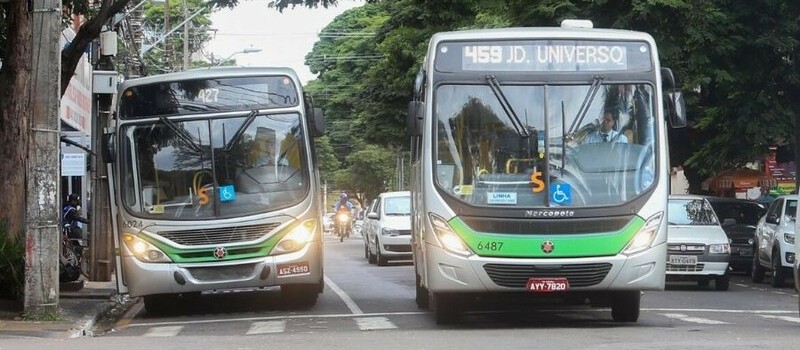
(214, 185)
(540, 167)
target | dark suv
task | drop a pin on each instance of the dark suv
(739, 218)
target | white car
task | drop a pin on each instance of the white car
(775, 235)
(389, 234)
(697, 247)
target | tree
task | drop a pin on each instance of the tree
(370, 172)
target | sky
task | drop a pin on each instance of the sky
(284, 38)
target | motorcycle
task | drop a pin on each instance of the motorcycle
(71, 261)
(342, 221)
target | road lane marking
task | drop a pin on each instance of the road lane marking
(700, 320)
(270, 318)
(165, 331)
(721, 311)
(346, 298)
(374, 323)
(267, 327)
(783, 318)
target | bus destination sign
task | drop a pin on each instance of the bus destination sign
(544, 56)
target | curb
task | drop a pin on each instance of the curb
(83, 327)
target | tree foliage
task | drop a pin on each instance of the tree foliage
(735, 62)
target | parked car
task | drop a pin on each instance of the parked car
(390, 230)
(775, 241)
(739, 218)
(697, 247)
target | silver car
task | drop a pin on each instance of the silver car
(775, 241)
(697, 247)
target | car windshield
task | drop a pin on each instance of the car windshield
(196, 169)
(695, 212)
(743, 213)
(552, 150)
(397, 205)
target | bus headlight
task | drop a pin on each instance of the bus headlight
(646, 235)
(143, 250)
(448, 238)
(719, 248)
(296, 239)
(788, 237)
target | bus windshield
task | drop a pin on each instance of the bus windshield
(579, 145)
(197, 169)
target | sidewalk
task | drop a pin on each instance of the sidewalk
(80, 310)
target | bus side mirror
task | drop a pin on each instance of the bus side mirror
(414, 117)
(667, 79)
(677, 109)
(107, 144)
(319, 122)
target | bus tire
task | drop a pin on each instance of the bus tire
(625, 306)
(446, 308)
(159, 304)
(423, 296)
(300, 296)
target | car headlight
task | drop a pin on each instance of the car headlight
(788, 237)
(719, 248)
(296, 239)
(449, 240)
(750, 241)
(390, 232)
(646, 235)
(143, 250)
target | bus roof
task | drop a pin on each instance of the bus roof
(212, 72)
(543, 33)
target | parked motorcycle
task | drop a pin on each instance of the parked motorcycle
(342, 224)
(72, 262)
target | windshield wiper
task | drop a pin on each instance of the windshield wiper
(239, 132)
(501, 97)
(180, 133)
(587, 101)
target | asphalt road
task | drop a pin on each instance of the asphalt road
(366, 307)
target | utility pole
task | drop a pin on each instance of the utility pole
(167, 44)
(185, 36)
(42, 215)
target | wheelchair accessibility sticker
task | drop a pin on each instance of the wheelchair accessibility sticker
(227, 193)
(560, 193)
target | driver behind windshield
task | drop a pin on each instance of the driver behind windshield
(607, 131)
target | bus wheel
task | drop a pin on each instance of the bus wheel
(625, 306)
(445, 307)
(159, 304)
(422, 295)
(300, 296)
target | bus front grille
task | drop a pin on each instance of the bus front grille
(222, 235)
(516, 276)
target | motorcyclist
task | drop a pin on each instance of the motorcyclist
(343, 203)
(344, 206)
(70, 216)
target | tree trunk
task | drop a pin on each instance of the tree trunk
(15, 116)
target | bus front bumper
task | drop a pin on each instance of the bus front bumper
(447, 272)
(301, 267)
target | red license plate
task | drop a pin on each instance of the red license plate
(547, 285)
(300, 268)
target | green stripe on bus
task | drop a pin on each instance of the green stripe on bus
(531, 245)
(201, 255)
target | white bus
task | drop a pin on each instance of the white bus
(214, 185)
(540, 167)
